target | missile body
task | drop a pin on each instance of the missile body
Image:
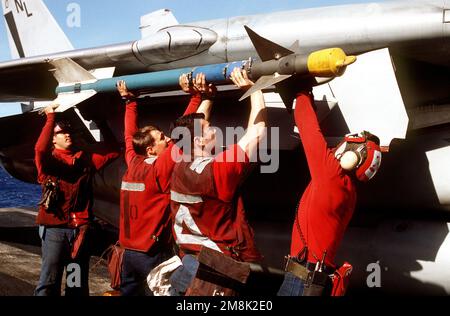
(218, 74)
(325, 63)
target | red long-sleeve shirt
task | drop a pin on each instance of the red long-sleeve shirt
(145, 198)
(328, 203)
(69, 167)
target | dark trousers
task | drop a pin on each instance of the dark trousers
(56, 249)
(136, 266)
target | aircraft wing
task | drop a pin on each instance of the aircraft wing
(27, 83)
(154, 52)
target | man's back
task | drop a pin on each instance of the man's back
(145, 217)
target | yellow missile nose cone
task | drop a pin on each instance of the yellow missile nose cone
(330, 62)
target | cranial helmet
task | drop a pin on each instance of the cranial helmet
(360, 153)
(62, 127)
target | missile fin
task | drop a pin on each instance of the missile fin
(103, 73)
(265, 82)
(68, 100)
(295, 47)
(267, 50)
(67, 72)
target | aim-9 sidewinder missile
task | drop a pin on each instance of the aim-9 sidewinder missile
(277, 65)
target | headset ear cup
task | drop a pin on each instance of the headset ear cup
(349, 160)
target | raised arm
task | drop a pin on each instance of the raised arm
(314, 143)
(44, 143)
(131, 119)
(257, 123)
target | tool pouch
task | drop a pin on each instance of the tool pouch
(341, 279)
(317, 284)
(78, 241)
(114, 258)
(50, 195)
(218, 275)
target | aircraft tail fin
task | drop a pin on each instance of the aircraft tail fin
(32, 30)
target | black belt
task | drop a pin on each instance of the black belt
(312, 266)
(302, 269)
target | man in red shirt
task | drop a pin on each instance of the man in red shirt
(328, 203)
(145, 222)
(64, 216)
(206, 207)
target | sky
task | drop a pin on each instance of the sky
(104, 22)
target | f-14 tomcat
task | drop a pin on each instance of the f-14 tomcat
(399, 89)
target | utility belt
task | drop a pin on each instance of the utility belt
(233, 251)
(317, 280)
(320, 280)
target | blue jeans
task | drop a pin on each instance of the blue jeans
(56, 250)
(182, 277)
(135, 269)
(292, 286)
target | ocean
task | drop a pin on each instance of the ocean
(15, 193)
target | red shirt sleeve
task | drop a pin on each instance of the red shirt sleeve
(131, 127)
(99, 161)
(44, 144)
(194, 104)
(318, 156)
(229, 168)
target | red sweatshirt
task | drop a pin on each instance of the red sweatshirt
(74, 172)
(328, 203)
(145, 195)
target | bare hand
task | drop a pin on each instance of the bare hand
(123, 90)
(186, 85)
(49, 109)
(240, 78)
(200, 84)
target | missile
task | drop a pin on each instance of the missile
(326, 63)
(278, 66)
